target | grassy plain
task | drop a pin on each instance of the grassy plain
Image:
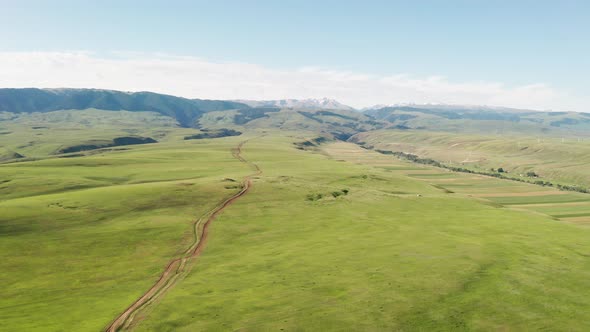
(564, 205)
(38, 135)
(395, 253)
(83, 237)
(556, 159)
(333, 238)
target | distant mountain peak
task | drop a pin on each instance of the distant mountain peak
(453, 107)
(308, 103)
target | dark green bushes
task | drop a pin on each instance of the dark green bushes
(214, 134)
(316, 197)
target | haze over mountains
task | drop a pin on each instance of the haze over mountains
(325, 115)
(43, 100)
(323, 103)
(184, 110)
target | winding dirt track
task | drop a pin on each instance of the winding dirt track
(178, 266)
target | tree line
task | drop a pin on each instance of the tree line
(497, 174)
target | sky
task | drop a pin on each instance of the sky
(525, 54)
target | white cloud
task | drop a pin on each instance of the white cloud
(198, 78)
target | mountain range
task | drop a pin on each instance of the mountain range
(319, 115)
(184, 110)
(323, 103)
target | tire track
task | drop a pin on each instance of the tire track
(178, 266)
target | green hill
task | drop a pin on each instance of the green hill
(308, 232)
(295, 115)
(477, 119)
(88, 118)
(554, 159)
(340, 124)
(183, 110)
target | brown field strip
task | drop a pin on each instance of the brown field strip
(524, 194)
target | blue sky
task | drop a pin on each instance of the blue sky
(512, 43)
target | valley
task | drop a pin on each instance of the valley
(294, 166)
(331, 235)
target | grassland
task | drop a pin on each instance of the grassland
(83, 237)
(38, 135)
(563, 205)
(334, 237)
(395, 253)
(556, 159)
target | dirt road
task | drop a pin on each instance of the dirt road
(178, 266)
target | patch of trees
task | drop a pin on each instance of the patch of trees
(314, 197)
(214, 134)
(315, 142)
(130, 140)
(342, 192)
(572, 188)
(564, 121)
(499, 170)
(328, 113)
(81, 147)
(246, 115)
(341, 136)
(499, 174)
(317, 196)
(118, 141)
(400, 127)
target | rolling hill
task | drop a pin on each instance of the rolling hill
(183, 110)
(326, 115)
(104, 215)
(88, 118)
(337, 123)
(482, 119)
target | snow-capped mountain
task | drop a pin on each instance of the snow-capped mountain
(310, 103)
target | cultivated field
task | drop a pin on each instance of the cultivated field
(555, 159)
(563, 205)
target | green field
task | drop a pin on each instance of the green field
(330, 237)
(540, 199)
(277, 261)
(83, 237)
(555, 159)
